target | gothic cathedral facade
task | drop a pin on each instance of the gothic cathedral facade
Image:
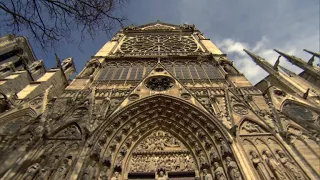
(161, 101)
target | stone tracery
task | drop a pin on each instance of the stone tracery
(155, 44)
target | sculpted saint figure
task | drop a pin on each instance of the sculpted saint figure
(89, 70)
(233, 169)
(162, 176)
(259, 166)
(214, 155)
(207, 175)
(229, 68)
(288, 164)
(116, 176)
(218, 172)
(32, 170)
(225, 150)
(274, 166)
(89, 172)
(202, 159)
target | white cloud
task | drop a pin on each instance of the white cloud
(263, 48)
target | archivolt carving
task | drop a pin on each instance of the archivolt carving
(125, 131)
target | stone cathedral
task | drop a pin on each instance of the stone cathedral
(159, 101)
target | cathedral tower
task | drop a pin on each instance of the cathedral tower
(161, 101)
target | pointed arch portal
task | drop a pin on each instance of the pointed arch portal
(161, 131)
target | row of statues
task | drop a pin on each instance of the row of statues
(271, 168)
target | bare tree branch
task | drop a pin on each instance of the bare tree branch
(52, 21)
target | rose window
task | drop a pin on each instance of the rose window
(159, 83)
(156, 44)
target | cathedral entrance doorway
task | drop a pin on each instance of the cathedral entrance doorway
(161, 137)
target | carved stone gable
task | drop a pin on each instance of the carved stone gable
(68, 133)
(249, 127)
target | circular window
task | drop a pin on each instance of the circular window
(186, 96)
(159, 69)
(159, 83)
(134, 97)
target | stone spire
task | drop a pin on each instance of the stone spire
(311, 60)
(263, 63)
(272, 70)
(300, 63)
(313, 53)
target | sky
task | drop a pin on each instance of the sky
(233, 25)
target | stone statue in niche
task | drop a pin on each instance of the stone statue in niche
(288, 164)
(218, 172)
(202, 159)
(89, 171)
(189, 164)
(233, 170)
(259, 166)
(119, 160)
(43, 174)
(162, 176)
(214, 156)
(116, 176)
(207, 175)
(217, 136)
(62, 171)
(32, 171)
(229, 68)
(225, 149)
(274, 166)
(89, 70)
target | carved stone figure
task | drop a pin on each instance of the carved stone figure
(259, 166)
(218, 172)
(233, 170)
(89, 70)
(202, 159)
(207, 175)
(251, 127)
(229, 68)
(43, 174)
(225, 149)
(217, 136)
(274, 166)
(31, 171)
(162, 176)
(288, 164)
(214, 156)
(89, 171)
(116, 176)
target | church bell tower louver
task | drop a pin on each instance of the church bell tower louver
(161, 101)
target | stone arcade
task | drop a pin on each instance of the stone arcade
(161, 101)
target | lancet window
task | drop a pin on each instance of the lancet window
(193, 70)
(125, 71)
